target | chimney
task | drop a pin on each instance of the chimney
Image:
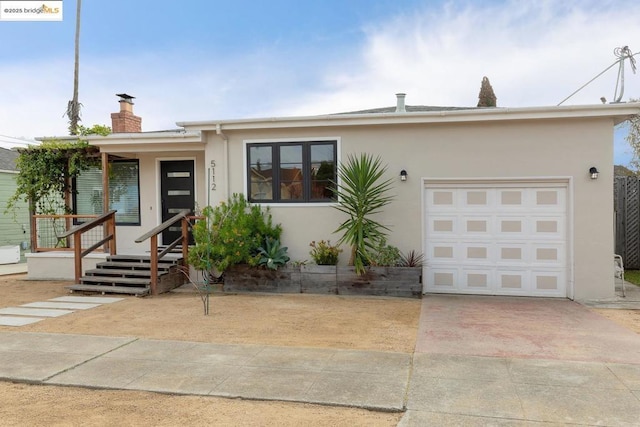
(400, 108)
(125, 121)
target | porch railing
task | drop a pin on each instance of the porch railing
(108, 221)
(155, 255)
(48, 231)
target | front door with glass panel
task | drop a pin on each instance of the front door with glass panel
(177, 194)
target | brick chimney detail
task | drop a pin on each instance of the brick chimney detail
(125, 121)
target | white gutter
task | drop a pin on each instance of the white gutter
(618, 112)
(128, 138)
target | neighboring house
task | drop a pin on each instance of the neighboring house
(500, 200)
(14, 226)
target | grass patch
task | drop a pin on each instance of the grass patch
(632, 276)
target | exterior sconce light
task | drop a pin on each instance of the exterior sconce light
(403, 175)
(593, 172)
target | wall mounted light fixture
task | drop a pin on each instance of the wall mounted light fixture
(593, 172)
(403, 175)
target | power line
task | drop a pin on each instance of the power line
(619, 61)
(18, 141)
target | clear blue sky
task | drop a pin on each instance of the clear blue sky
(196, 60)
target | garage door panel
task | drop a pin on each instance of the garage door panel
(512, 253)
(548, 282)
(478, 225)
(480, 199)
(554, 255)
(443, 279)
(506, 239)
(549, 227)
(511, 198)
(479, 252)
(477, 281)
(442, 198)
(443, 226)
(511, 281)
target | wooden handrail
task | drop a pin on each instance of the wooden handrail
(159, 229)
(86, 226)
(110, 229)
(155, 256)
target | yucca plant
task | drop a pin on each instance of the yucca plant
(361, 193)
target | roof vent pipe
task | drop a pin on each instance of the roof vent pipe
(400, 108)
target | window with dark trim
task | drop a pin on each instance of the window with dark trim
(124, 192)
(291, 172)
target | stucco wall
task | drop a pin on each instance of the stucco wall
(150, 197)
(525, 149)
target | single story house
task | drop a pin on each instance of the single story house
(14, 226)
(501, 201)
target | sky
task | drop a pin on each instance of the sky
(213, 60)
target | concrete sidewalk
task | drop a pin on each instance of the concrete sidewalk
(10, 269)
(366, 379)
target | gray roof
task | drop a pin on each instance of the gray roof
(8, 159)
(409, 109)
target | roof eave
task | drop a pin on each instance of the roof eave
(618, 112)
(134, 137)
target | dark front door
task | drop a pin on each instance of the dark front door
(177, 193)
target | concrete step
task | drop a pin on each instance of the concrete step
(105, 289)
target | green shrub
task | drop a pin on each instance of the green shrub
(231, 233)
(384, 255)
(324, 253)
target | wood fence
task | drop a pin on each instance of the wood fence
(626, 202)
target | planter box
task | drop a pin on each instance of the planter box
(326, 279)
(318, 279)
(382, 281)
(242, 278)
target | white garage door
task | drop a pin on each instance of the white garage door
(497, 239)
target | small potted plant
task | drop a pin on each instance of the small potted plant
(324, 253)
(321, 276)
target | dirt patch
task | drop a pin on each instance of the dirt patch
(630, 319)
(364, 323)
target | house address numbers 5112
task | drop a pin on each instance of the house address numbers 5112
(213, 175)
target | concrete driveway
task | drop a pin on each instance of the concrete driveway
(521, 361)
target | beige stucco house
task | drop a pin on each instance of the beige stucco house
(501, 201)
